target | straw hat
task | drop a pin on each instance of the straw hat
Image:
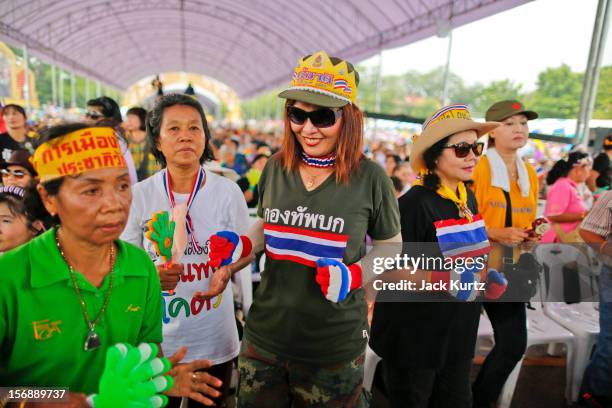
(445, 122)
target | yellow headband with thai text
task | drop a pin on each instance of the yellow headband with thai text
(77, 152)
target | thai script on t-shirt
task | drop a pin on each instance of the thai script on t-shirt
(296, 236)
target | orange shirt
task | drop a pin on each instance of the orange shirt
(492, 203)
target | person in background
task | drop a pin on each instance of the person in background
(404, 173)
(14, 227)
(135, 127)
(565, 209)
(104, 111)
(248, 183)
(16, 135)
(584, 190)
(599, 180)
(503, 180)
(2, 122)
(232, 158)
(397, 186)
(263, 148)
(391, 162)
(17, 170)
(596, 230)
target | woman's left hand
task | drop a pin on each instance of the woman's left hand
(191, 383)
(218, 283)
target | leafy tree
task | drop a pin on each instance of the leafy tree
(558, 93)
(603, 103)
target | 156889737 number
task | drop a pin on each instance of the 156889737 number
(33, 394)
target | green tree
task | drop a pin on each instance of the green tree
(603, 103)
(557, 94)
(481, 97)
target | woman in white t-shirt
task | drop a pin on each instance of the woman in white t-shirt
(179, 134)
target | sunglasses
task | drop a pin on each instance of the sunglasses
(320, 118)
(18, 174)
(463, 149)
(94, 115)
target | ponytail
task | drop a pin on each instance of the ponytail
(560, 169)
(563, 167)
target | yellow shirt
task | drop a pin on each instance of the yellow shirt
(492, 203)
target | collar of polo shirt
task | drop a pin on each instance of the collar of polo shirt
(48, 266)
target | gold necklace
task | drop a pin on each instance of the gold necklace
(92, 341)
(310, 183)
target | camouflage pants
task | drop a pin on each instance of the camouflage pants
(267, 380)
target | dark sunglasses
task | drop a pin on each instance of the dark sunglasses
(94, 115)
(463, 149)
(320, 118)
(18, 174)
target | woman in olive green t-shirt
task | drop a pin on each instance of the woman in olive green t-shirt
(318, 198)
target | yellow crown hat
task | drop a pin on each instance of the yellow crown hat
(318, 81)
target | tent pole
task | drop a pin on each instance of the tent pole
(591, 75)
(53, 86)
(445, 99)
(26, 77)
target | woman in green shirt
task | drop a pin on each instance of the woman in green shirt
(71, 293)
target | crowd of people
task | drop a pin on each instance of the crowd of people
(80, 207)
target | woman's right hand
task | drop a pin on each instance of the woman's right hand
(190, 381)
(508, 236)
(169, 277)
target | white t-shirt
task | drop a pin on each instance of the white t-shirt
(207, 329)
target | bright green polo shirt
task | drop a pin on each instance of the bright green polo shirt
(42, 326)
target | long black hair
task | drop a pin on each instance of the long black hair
(142, 115)
(156, 116)
(563, 167)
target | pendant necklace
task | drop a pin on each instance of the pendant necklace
(92, 341)
(328, 161)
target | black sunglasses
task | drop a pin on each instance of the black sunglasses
(463, 149)
(18, 174)
(320, 118)
(94, 115)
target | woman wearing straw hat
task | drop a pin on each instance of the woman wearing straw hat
(506, 188)
(427, 341)
(306, 332)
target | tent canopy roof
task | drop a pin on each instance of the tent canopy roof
(250, 45)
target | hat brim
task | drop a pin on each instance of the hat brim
(313, 98)
(529, 114)
(438, 131)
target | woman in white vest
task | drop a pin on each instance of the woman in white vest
(201, 203)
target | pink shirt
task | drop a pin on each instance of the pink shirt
(562, 198)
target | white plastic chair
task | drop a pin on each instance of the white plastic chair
(540, 330)
(582, 319)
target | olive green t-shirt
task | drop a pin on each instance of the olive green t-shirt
(290, 316)
(42, 325)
